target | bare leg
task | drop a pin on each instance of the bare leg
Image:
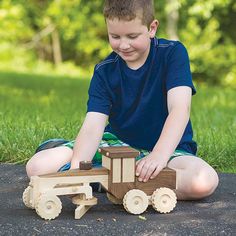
(48, 161)
(196, 179)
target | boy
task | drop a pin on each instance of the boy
(144, 87)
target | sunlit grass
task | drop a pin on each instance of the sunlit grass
(214, 122)
(36, 108)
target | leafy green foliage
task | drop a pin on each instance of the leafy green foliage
(204, 26)
(208, 35)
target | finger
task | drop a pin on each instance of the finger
(144, 171)
(156, 172)
(139, 166)
(137, 162)
(149, 172)
(140, 160)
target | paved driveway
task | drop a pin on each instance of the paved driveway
(215, 215)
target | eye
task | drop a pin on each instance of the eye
(115, 36)
(133, 36)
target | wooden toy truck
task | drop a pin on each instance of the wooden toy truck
(117, 176)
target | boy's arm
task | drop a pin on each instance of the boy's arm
(179, 103)
(89, 137)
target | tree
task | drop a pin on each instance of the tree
(172, 14)
(59, 31)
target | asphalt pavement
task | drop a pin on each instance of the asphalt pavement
(215, 215)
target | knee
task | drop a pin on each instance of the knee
(204, 183)
(32, 168)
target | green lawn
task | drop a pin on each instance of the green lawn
(34, 108)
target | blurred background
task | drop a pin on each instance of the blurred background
(48, 49)
(69, 37)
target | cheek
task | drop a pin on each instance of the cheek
(114, 43)
(141, 45)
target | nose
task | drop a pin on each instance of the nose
(124, 44)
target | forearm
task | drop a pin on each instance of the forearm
(179, 103)
(172, 132)
(88, 139)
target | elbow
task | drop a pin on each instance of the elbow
(187, 112)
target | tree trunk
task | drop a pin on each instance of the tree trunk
(172, 12)
(56, 47)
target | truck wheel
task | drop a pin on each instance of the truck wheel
(26, 197)
(135, 201)
(163, 200)
(113, 199)
(48, 207)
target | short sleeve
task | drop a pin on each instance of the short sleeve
(178, 68)
(99, 100)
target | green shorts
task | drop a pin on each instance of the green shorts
(110, 140)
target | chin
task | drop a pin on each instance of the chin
(128, 58)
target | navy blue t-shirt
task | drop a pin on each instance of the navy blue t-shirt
(135, 100)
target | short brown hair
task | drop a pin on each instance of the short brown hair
(129, 10)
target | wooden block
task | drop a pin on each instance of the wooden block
(119, 152)
(85, 165)
(120, 189)
(78, 172)
(106, 162)
(116, 172)
(166, 178)
(128, 170)
(81, 210)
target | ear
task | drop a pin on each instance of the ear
(153, 28)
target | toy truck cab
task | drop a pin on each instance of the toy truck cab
(124, 187)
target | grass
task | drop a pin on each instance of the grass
(35, 108)
(214, 123)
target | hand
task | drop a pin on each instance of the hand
(150, 166)
(74, 164)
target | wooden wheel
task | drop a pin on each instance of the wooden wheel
(48, 207)
(163, 200)
(27, 197)
(113, 199)
(135, 201)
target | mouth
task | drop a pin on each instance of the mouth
(126, 53)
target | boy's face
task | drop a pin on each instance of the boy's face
(131, 40)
